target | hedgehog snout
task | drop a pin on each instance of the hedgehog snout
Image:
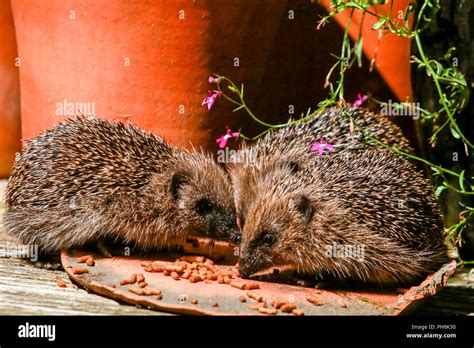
(249, 263)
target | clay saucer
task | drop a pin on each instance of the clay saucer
(179, 296)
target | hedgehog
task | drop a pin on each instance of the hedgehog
(89, 179)
(288, 146)
(366, 217)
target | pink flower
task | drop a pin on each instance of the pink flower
(322, 147)
(214, 79)
(211, 98)
(222, 140)
(361, 100)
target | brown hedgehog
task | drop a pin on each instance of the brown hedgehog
(366, 216)
(290, 144)
(91, 179)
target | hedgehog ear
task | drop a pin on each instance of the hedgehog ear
(303, 205)
(178, 179)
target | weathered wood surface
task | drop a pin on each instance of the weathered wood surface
(28, 290)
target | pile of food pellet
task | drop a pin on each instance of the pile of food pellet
(195, 269)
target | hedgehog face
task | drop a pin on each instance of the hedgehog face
(274, 227)
(204, 201)
(248, 178)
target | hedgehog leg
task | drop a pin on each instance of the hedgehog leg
(104, 250)
(49, 262)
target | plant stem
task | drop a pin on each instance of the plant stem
(435, 78)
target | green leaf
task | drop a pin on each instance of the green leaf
(461, 180)
(377, 25)
(454, 133)
(439, 189)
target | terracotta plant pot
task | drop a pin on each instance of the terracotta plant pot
(9, 92)
(146, 62)
(393, 52)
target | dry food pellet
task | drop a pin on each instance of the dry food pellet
(135, 290)
(148, 269)
(174, 268)
(227, 273)
(145, 263)
(131, 280)
(192, 258)
(83, 259)
(314, 300)
(215, 304)
(159, 297)
(166, 273)
(254, 296)
(278, 304)
(238, 285)
(212, 269)
(184, 264)
(242, 299)
(60, 282)
(150, 291)
(154, 291)
(268, 311)
(90, 262)
(174, 275)
(195, 278)
(147, 291)
(252, 286)
(142, 284)
(140, 278)
(186, 275)
(194, 301)
(157, 267)
(209, 262)
(79, 270)
(298, 313)
(227, 279)
(220, 279)
(288, 307)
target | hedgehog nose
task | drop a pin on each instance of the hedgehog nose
(243, 271)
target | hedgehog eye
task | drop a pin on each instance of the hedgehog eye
(268, 238)
(203, 206)
(235, 238)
